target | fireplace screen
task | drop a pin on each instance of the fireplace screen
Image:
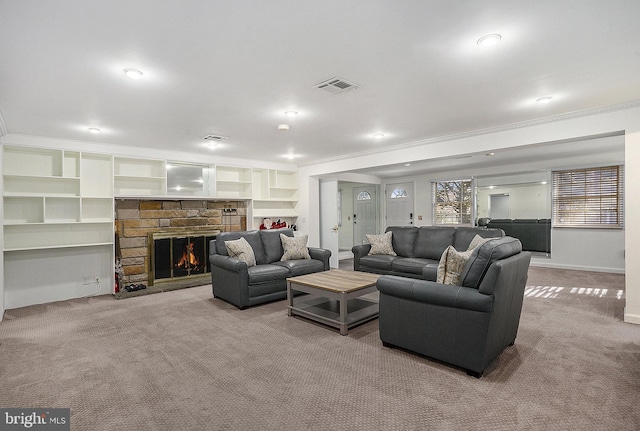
(179, 255)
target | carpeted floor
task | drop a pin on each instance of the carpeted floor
(182, 360)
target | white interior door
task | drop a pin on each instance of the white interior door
(499, 206)
(365, 207)
(399, 200)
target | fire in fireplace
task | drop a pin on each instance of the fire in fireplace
(178, 255)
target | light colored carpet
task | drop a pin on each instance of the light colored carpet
(182, 360)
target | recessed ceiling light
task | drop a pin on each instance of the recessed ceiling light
(407, 164)
(291, 156)
(489, 40)
(291, 113)
(133, 73)
(283, 127)
(490, 154)
(94, 130)
(378, 135)
(212, 146)
(544, 100)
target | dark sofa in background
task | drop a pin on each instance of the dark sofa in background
(534, 234)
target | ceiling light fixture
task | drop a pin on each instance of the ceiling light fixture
(489, 40)
(291, 113)
(544, 100)
(490, 154)
(94, 130)
(378, 135)
(283, 127)
(133, 73)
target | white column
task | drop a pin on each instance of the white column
(632, 227)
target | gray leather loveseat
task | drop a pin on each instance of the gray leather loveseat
(466, 325)
(418, 249)
(234, 281)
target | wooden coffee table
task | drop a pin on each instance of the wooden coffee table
(335, 298)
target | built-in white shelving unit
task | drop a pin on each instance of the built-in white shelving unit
(275, 193)
(139, 177)
(233, 182)
(56, 199)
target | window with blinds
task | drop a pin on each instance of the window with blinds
(452, 202)
(589, 198)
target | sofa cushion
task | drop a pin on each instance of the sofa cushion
(252, 237)
(240, 249)
(451, 265)
(272, 243)
(464, 236)
(432, 241)
(267, 273)
(294, 248)
(381, 244)
(379, 261)
(482, 257)
(403, 239)
(430, 271)
(301, 266)
(410, 265)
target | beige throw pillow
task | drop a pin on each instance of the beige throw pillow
(381, 244)
(477, 241)
(294, 248)
(451, 265)
(241, 249)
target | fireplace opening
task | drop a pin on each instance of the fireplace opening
(179, 255)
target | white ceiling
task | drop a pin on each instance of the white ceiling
(234, 67)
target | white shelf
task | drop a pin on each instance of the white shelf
(43, 203)
(139, 177)
(48, 235)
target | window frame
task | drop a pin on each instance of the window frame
(588, 194)
(470, 202)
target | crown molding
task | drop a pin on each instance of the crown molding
(497, 129)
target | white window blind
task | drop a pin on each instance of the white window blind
(591, 197)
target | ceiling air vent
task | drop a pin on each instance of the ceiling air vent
(337, 85)
(214, 138)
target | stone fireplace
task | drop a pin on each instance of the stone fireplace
(180, 230)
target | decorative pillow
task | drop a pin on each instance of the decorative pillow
(294, 248)
(381, 244)
(241, 249)
(477, 241)
(451, 265)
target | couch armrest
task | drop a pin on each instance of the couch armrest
(227, 262)
(358, 252)
(321, 254)
(430, 292)
(230, 280)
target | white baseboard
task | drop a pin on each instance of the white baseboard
(542, 263)
(631, 318)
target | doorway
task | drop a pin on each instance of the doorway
(399, 200)
(499, 206)
(364, 213)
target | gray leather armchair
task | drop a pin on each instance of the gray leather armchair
(468, 325)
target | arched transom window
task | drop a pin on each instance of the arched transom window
(399, 193)
(363, 196)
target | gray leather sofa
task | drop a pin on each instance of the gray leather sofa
(534, 234)
(468, 325)
(244, 286)
(418, 249)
